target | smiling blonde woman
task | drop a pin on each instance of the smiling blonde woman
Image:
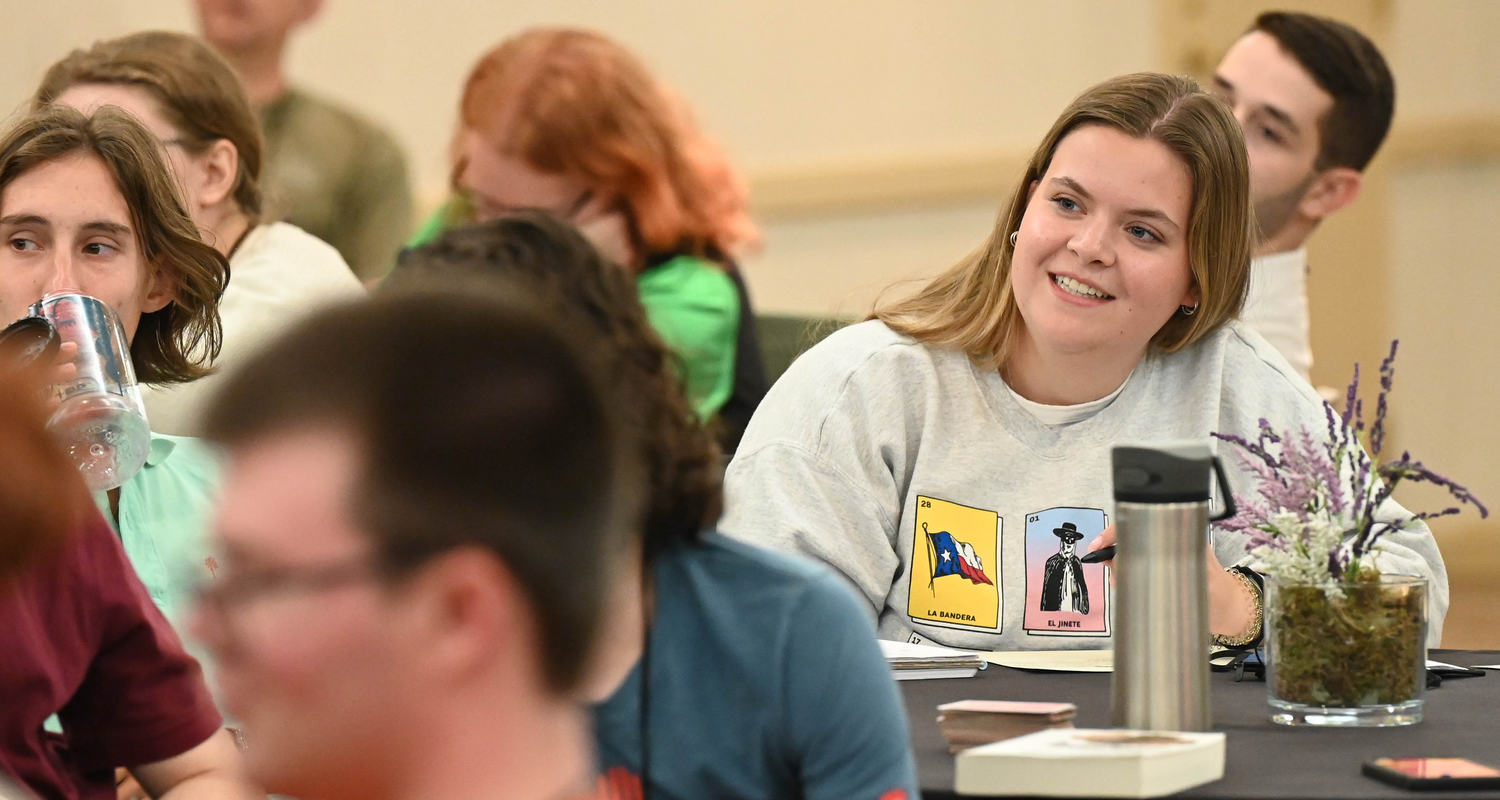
(939, 455)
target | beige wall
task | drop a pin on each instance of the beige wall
(880, 135)
(795, 90)
(1445, 249)
(1444, 50)
(781, 82)
(41, 31)
(1445, 245)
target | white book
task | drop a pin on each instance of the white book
(1081, 762)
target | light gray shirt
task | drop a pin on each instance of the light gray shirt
(917, 476)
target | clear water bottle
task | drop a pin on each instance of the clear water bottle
(100, 419)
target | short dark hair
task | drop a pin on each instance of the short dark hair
(481, 424)
(550, 260)
(199, 93)
(1350, 68)
(178, 342)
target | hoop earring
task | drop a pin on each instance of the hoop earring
(1013, 235)
(1188, 311)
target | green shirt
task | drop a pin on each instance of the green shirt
(164, 520)
(693, 305)
(695, 308)
(339, 177)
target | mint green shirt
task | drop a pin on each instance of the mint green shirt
(164, 520)
(691, 302)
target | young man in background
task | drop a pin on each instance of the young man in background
(1315, 99)
(329, 171)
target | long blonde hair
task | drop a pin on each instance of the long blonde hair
(972, 307)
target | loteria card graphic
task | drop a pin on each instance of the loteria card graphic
(955, 566)
(1064, 597)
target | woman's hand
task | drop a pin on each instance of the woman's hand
(1105, 538)
(1231, 606)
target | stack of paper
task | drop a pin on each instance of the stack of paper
(910, 662)
(967, 723)
(1091, 763)
(1054, 660)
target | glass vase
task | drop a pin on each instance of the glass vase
(1349, 654)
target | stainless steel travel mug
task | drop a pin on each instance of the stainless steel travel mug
(1162, 495)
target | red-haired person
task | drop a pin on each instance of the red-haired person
(569, 122)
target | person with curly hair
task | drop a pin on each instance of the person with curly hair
(704, 634)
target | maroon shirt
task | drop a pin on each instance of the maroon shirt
(80, 637)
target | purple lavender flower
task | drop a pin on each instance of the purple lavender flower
(1305, 476)
(1387, 377)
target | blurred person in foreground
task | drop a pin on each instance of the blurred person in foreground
(84, 642)
(705, 634)
(329, 171)
(1314, 98)
(572, 123)
(189, 98)
(424, 502)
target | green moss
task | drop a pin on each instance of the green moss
(1364, 648)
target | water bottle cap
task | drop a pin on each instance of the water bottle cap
(1167, 472)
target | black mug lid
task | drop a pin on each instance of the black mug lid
(1165, 472)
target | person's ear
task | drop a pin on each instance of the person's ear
(160, 292)
(468, 609)
(218, 170)
(1025, 204)
(1333, 190)
(1192, 297)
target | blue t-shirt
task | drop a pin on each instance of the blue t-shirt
(766, 682)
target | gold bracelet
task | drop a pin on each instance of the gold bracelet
(1253, 630)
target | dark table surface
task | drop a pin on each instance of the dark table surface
(1461, 719)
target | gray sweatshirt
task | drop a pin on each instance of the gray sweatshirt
(959, 517)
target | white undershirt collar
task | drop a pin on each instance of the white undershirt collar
(1057, 416)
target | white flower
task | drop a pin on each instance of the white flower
(1297, 546)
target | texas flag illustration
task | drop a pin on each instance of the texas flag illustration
(956, 558)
